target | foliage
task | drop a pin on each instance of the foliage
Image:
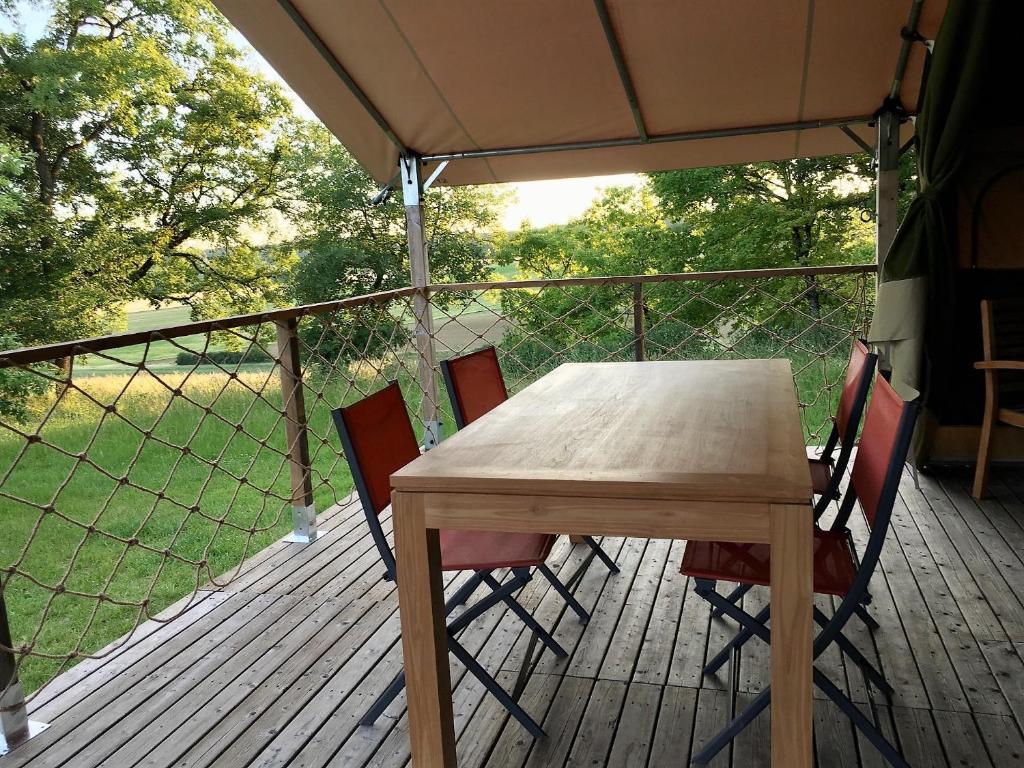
(781, 214)
(223, 357)
(17, 386)
(11, 166)
(149, 152)
(793, 213)
(622, 233)
(349, 246)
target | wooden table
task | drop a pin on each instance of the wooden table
(681, 450)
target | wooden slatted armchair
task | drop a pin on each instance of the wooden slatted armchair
(1002, 333)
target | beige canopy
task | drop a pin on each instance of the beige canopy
(536, 89)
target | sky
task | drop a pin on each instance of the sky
(538, 202)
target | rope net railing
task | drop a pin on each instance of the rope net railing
(132, 477)
(138, 471)
(808, 316)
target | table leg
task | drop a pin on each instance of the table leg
(792, 599)
(424, 638)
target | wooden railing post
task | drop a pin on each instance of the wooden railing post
(296, 432)
(887, 184)
(419, 268)
(14, 725)
(639, 342)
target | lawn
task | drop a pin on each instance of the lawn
(149, 502)
(168, 497)
(159, 355)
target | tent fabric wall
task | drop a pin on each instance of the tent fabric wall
(958, 241)
(916, 273)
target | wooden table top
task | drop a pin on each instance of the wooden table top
(709, 430)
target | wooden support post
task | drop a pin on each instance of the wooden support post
(419, 268)
(639, 344)
(296, 432)
(887, 188)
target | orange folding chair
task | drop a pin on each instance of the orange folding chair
(475, 386)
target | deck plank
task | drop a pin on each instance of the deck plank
(95, 713)
(51, 701)
(659, 642)
(593, 740)
(918, 738)
(634, 733)
(276, 667)
(961, 739)
(673, 732)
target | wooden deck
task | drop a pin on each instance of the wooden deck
(276, 669)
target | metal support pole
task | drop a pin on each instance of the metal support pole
(15, 727)
(297, 434)
(419, 268)
(887, 188)
(639, 343)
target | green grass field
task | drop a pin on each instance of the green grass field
(159, 355)
(150, 502)
(141, 518)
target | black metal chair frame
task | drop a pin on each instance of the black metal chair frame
(460, 423)
(501, 592)
(831, 629)
(838, 465)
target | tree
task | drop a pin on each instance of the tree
(11, 197)
(785, 213)
(348, 246)
(624, 232)
(790, 213)
(16, 386)
(151, 151)
(352, 246)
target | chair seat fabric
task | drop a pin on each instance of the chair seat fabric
(488, 550)
(821, 475)
(834, 569)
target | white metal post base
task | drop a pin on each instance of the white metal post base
(304, 525)
(14, 722)
(34, 729)
(431, 434)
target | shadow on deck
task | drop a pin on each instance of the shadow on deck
(276, 668)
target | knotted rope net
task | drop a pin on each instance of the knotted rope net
(137, 473)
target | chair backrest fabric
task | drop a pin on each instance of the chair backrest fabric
(884, 442)
(475, 384)
(858, 378)
(378, 440)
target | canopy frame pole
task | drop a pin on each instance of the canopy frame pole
(331, 60)
(411, 171)
(668, 138)
(887, 186)
(857, 140)
(910, 35)
(620, 64)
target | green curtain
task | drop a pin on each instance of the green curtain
(916, 279)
